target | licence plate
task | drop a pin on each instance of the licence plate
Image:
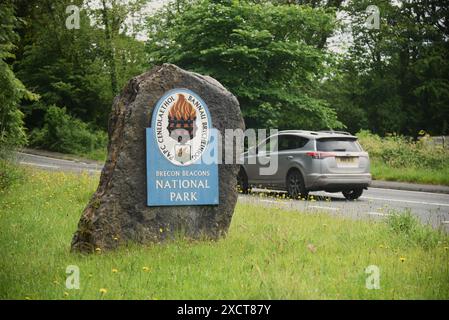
(347, 162)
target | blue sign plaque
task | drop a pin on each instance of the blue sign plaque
(182, 152)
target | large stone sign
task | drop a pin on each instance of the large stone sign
(161, 177)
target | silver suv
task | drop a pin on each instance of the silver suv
(332, 161)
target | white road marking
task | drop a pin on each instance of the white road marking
(373, 213)
(71, 162)
(39, 165)
(408, 201)
(93, 171)
(270, 201)
(407, 191)
(50, 158)
(325, 208)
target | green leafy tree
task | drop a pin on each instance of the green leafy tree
(12, 91)
(118, 48)
(73, 68)
(268, 55)
(399, 73)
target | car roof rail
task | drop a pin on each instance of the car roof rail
(336, 132)
(299, 131)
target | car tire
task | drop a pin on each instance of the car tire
(242, 182)
(295, 185)
(353, 194)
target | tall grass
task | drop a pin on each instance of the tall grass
(269, 253)
(412, 231)
(9, 174)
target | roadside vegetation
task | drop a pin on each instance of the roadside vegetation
(9, 174)
(66, 134)
(269, 253)
(399, 158)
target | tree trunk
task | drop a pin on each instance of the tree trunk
(110, 49)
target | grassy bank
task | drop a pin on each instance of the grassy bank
(268, 253)
(398, 158)
(382, 171)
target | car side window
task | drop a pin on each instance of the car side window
(300, 142)
(264, 147)
(291, 142)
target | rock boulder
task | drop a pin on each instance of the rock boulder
(117, 212)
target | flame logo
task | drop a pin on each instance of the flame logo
(182, 110)
(182, 116)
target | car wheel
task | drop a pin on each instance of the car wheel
(353, 194)
(242, 182)
(295, 185)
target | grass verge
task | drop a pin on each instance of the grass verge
(381, 171)
(99, 154)
(268, 254)
(399, 158)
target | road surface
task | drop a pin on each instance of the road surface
(375, 203)
(48, 163)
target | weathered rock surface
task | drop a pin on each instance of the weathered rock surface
(117, 212)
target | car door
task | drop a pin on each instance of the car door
(291, 153)
(284, 155)
(262, 160)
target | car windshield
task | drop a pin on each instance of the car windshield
(337, 144)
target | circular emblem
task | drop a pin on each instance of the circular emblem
(181, 123)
